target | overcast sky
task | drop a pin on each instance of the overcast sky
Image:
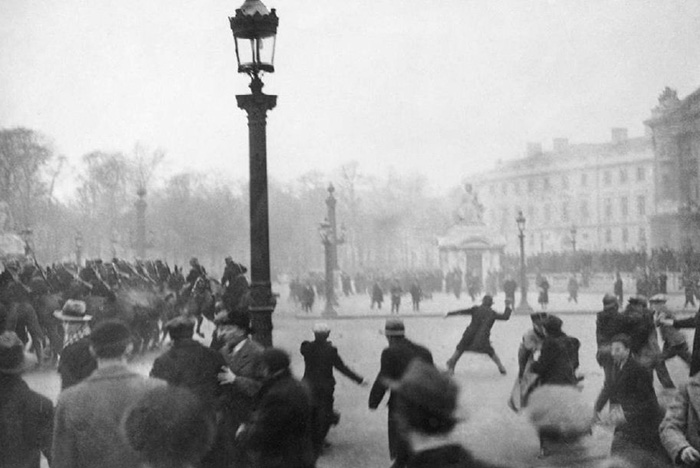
(441, 88)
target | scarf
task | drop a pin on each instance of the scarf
(76, 335)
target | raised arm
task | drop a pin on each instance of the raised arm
(468, 311)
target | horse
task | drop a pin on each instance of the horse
(201, 301)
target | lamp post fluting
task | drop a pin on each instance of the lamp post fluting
(523, 307)
(254, 30)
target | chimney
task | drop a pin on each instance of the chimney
(533, 149)
(619, 135)
(560, 145)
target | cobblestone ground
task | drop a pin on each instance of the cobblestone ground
(489, 427)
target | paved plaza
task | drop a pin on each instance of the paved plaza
(489, 427)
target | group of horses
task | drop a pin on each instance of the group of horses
(144, 295)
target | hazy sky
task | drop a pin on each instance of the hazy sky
(441, 88)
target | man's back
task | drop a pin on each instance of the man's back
(88, 416)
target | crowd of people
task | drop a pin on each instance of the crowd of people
(234, 403)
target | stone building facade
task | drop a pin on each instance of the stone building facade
(588, 196)
(675, 128)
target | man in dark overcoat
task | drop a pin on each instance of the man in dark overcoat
(193, 366)
(609, 322)
(631, 388)
(26, 417)
(235, 286)
(477, 336)
(279, 435)
(692, 322)
(394, 361)
(320, 358)
(559, 356)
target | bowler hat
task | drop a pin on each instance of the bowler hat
(73, 311)
(424, 387)
(394, 327)
(11, 354)
(609, 299)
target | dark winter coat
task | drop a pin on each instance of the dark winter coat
(446, 456)
(26, 424)
(241, 394)
(477, 336)
(192, 365)
(320, 357)
(394, 361)
(279, 435)
(632, 387)
(76, 363)
(692, 322)
(558, 360)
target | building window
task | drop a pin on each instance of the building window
(584, 180)
(564, 182)
(641, 174)
(547, 213)
(625, 235)
(641, 205)
(545, 183)
(504, 188)
(624, 208)
(584, 209)
(608, 208)
(565, 211)
(607, 178)
(504, 218)
(623, 176)
(608, 236)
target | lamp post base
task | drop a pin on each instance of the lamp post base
(524, 308)
(262, 305)
(329, 311)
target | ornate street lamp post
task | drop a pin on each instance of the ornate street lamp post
(141, 223)
(325, 231)
(254, 31)
(523, 307)
(79, 249)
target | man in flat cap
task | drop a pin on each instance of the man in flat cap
(88, 415)
(320, 358)
(477, 336)
(394, 362)
(26, 417)
(609, 322)
(426, 402)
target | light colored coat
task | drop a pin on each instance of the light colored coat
(88, 417)
(681, 425)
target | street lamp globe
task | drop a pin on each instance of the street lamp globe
(255, 31)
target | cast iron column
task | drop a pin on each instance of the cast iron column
(523, 307)
(263, 302)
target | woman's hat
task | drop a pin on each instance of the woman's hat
(11, 354)
(73, 311)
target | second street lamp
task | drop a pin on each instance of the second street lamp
(255, 30)
(325, 232)
(523, 307)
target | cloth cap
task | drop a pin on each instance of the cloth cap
(552, 324)
(109, 333)
(394, 327)
(658, 298)
(487, 300)
(321, 328)
(11, 353)
(422, 385)
(180, 327)
(609, 299)
(639, 300)
(73, 311)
